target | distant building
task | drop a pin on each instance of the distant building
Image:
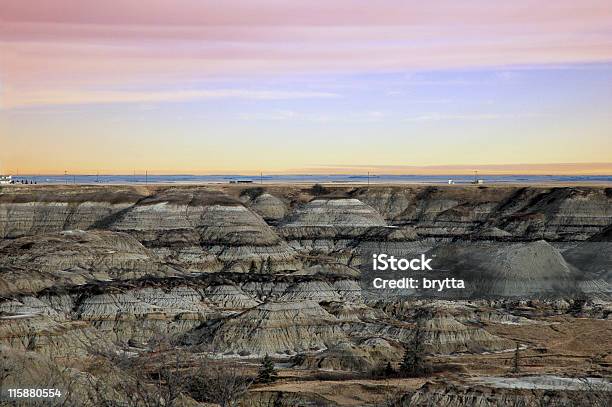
(451, 182)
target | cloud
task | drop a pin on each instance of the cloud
(507, 76)
(372, 116)
(468, 117)
(68, 97)
(51, 51)
(297, 13)
(114, 42)
(277, 115)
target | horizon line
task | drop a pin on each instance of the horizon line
(533, 169)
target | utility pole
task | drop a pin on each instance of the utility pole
(146, 176)
(475, 176)
(368, 177)
(261, 177)
(65, 177)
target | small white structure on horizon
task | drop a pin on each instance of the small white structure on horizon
(451, 182)
(6, 179)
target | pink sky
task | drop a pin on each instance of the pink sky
(51, 48)
(352, 83)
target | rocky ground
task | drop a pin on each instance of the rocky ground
(229, 274)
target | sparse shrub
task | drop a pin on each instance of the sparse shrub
(253, 193)
(318, 189)
(381, 371)
(577, 306)
(298, 359)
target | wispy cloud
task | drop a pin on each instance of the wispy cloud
(124, 41)
(371, 116)
(68, 97)
(468, 117)
(282, 115)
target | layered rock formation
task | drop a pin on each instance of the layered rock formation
(27, 212)
(74, 257)
(507, 269)
(534, 391)
(527, 213)
(245, 272)
(268, 206)
(205, 231)
(287, 328)
(366, 356)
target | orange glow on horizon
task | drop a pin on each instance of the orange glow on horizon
(510, 169)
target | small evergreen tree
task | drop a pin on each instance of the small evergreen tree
(515, 360)
(389, 371)
(253, 267)
(414, 362)
(267, 373)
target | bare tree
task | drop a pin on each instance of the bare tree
(221, 383)
(153, 378)
(163, 375)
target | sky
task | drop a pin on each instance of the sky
(239, 87)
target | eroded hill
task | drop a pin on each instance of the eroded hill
(241, 272)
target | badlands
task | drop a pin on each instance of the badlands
(93, 278)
